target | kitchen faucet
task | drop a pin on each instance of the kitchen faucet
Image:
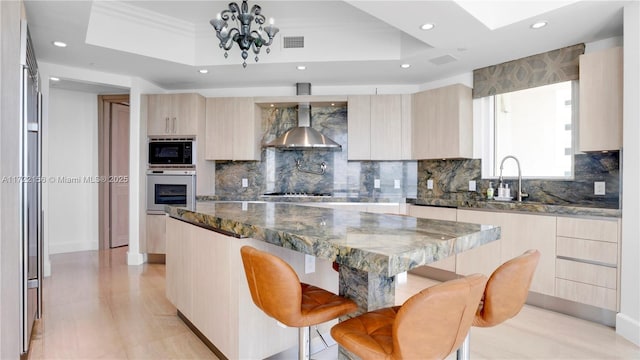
(520, 193)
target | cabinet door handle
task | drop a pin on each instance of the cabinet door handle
(174, 125)
(166, 124)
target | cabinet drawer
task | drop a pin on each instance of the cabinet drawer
(590, 229)
(587, 294)
(599, 251)
(586, 273)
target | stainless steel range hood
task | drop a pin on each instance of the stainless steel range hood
(304, 137)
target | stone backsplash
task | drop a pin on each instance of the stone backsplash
(277, 171)
(451, 181)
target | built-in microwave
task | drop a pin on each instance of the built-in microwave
(170, 187)
(171, 151)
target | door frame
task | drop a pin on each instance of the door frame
(104, 158)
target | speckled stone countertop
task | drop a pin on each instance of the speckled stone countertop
(337, 198)
(382, 244)
(523, 206)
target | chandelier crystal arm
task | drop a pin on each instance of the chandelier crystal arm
(242, 34)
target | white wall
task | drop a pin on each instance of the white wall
(628, 320)
(73, 155)
(137, 128)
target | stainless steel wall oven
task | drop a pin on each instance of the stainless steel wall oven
(170, 187)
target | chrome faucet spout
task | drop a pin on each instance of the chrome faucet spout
(519, 174)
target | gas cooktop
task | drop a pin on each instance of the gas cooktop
(297, 194)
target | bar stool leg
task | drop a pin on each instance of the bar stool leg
(304, 343)
(463, 352)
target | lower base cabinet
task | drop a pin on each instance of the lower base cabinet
(206, 282)
(579, 256)
(587, 261)
(156, 239)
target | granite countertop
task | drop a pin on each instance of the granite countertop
(524, 206)
(384, 244)
(489, 205)
(335, 198)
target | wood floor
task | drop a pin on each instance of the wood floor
(95, 306)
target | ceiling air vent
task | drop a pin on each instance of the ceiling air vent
(445, 59)
(293, 42)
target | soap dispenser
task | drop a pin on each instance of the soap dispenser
(490, 191)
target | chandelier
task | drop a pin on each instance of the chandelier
(242, 34)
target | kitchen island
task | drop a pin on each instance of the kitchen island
(205, 279)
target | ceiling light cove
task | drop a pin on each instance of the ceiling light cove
(427, 26)
(539, 25)
(59, 44)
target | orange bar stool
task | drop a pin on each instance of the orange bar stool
(429, 325)
(505, 293)
(277, 290)
(507, 290)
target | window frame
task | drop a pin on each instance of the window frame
(484, 116)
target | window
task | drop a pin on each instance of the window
(534, 125)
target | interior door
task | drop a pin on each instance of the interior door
(119, 175)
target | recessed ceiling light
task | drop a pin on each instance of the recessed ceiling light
(427, 26)
(59, 44)
(203, 71)
(539, 24)
(301, 67)
(53, 78)
(405, 66)
(333, 104)
(272, 105)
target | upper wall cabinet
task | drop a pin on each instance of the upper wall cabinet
(233, 129)
(379, 127)
(600, 126)
(172, 114)
(443, 123)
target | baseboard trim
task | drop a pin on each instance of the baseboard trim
(201, 336)
(156, 259)
(628, 328)
(136, 258)
(572, 308)
(71, 246)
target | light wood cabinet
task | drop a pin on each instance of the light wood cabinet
(379, 127)
(233, 129)
(156, 234)
(176, 115)
(179, 274)
(173, 114)
(486, 258)
(519, 233)
(587, 261)
(359, 127)
(437, 213)
(601, 85)
(205, 280)
(522, 232)
(442, 123)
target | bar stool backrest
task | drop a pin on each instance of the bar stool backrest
(274, 285)
(433, 323)
(507, 290)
